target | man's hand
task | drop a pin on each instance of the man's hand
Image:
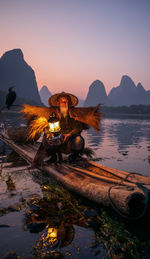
(66, 136)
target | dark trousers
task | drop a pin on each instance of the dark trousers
(75, 144)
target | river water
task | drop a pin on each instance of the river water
(39, 217)
(123, 143)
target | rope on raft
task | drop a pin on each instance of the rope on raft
(140, 186)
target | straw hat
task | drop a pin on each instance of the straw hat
(53, 100)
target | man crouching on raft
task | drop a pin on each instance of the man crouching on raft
(62, 124)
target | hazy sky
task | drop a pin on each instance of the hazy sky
(71, 43)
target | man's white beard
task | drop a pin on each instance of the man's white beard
(64, 111)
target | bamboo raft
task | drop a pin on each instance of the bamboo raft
(127, 192)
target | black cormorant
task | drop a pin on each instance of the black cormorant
(10, 98)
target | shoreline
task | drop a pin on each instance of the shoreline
(105, 114)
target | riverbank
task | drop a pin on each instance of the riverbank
(125, 115)
(131, 111)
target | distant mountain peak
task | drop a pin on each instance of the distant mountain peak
(45, 94)
(127, 93)
(139, 85)
(97, 83)
(14, 70)
(13, 54)
(140, 89)
(45, 90)
(126, 77)
(126, 81)
(44, 87)
(96, 94)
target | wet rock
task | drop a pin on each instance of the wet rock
(33, 207)
(4, 226)
(11, 255)
(97, 252)
(90, 213)
(3, 211)
(12, 193)
(97, 159)
(14, 208)
(125, 153)
(90, 222)
(54, 255)
(36, 227)
(32, 204)
(68, 253)
(59, 205)
(10, 184)
(122, 256)
(22, 200)
(93, 245)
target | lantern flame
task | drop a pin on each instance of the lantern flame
(54, 127)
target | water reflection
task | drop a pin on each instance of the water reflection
(122, 143)
(95, 138)
(122, 133)
(56, 217)
(11, 118)
(129, 133)
(15, 160)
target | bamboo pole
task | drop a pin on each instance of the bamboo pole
(100, 177)
(131, 176)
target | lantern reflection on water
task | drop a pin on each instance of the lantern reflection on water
(46, 243)
(49, 237)
(52, 234)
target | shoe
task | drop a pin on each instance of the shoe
(35, 165)
(72, 159)
(53, 159)
(59, 157)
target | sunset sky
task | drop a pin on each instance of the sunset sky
(71, 43)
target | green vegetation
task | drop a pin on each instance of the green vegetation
(117, 239)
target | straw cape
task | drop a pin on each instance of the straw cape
(37, 116)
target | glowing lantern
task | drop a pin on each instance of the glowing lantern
(54, 135)
(54, 127)
(54, 124)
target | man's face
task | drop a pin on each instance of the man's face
(63, 104)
